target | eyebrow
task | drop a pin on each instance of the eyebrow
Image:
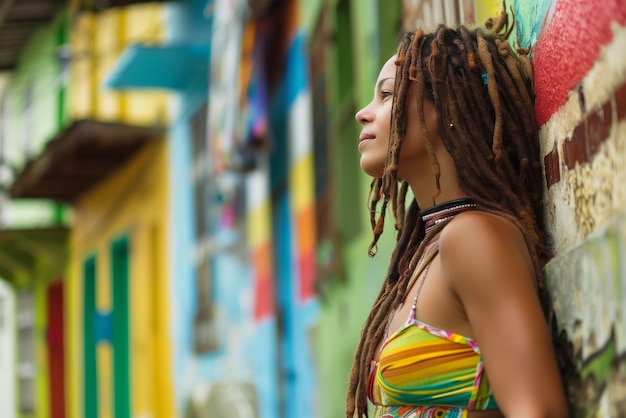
(380, 82)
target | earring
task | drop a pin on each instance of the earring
(452, 125)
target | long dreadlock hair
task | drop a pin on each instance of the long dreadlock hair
(483, 94)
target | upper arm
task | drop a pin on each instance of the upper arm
(486, 262)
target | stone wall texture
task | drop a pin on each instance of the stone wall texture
(577, 48)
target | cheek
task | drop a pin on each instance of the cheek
(413, 139)
(413, 152)
(430, 115)
(385, 115)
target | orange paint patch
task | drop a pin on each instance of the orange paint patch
(263, 282)
(306, 229)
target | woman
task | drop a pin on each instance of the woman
(458, 327)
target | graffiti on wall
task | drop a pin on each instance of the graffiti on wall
(530, 18)
(565, 37)
(571, 43)
(588, 290)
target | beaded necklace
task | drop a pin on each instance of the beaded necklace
(444, 211)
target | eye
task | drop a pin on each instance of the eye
(384, 94)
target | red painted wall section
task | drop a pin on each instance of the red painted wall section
(56, 352)
(568, 46)
(264, 281)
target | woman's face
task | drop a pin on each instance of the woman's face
(376, 121)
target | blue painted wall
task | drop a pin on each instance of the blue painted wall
(297, 366)
(246, 350)
(271, 357)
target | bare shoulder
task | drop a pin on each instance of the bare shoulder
(485, 262)
(483, 247)
(480, 232)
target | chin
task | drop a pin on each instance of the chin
(372, 171)
(373, 163)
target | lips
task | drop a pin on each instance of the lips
(365, 137)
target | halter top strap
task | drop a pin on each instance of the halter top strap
(423, 267)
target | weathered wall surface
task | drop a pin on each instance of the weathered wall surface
(580, 83)
(7, 348)
(588, 286)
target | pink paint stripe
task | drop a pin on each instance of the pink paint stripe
(307, 275)
(568, 47)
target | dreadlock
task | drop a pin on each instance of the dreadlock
(483, 95)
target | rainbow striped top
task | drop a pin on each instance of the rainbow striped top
(425, 371)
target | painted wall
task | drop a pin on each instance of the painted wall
(588, 285)
(131, 204)
(33, 95)
(258, 360)
(121, 225)
(233, 376)
(580, 83)
(294, 228)
(96, 42)
(7, 349)
(43, 274)
(32, 113)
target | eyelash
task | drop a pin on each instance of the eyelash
(386, 93)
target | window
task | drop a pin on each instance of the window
(345, 176)
(3, 135)
(29, 122)
(6, 176)
(2, 308)
(428, 13)
(26, 350)
(205, 333)
(327, 255)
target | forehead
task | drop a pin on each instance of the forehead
(389, 69)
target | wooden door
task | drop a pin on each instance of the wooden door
(56, 352)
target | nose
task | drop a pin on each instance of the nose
(364, 115)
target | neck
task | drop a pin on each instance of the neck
(445, 211)
(421, 179)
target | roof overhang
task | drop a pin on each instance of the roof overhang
(24, 251)
(96, 5)
(18, 20)
(79, 157)
(177, 65)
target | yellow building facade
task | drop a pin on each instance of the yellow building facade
(117, 300)
(118, 256)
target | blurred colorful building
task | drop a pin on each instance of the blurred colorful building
(183, 217)
(93, 163)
